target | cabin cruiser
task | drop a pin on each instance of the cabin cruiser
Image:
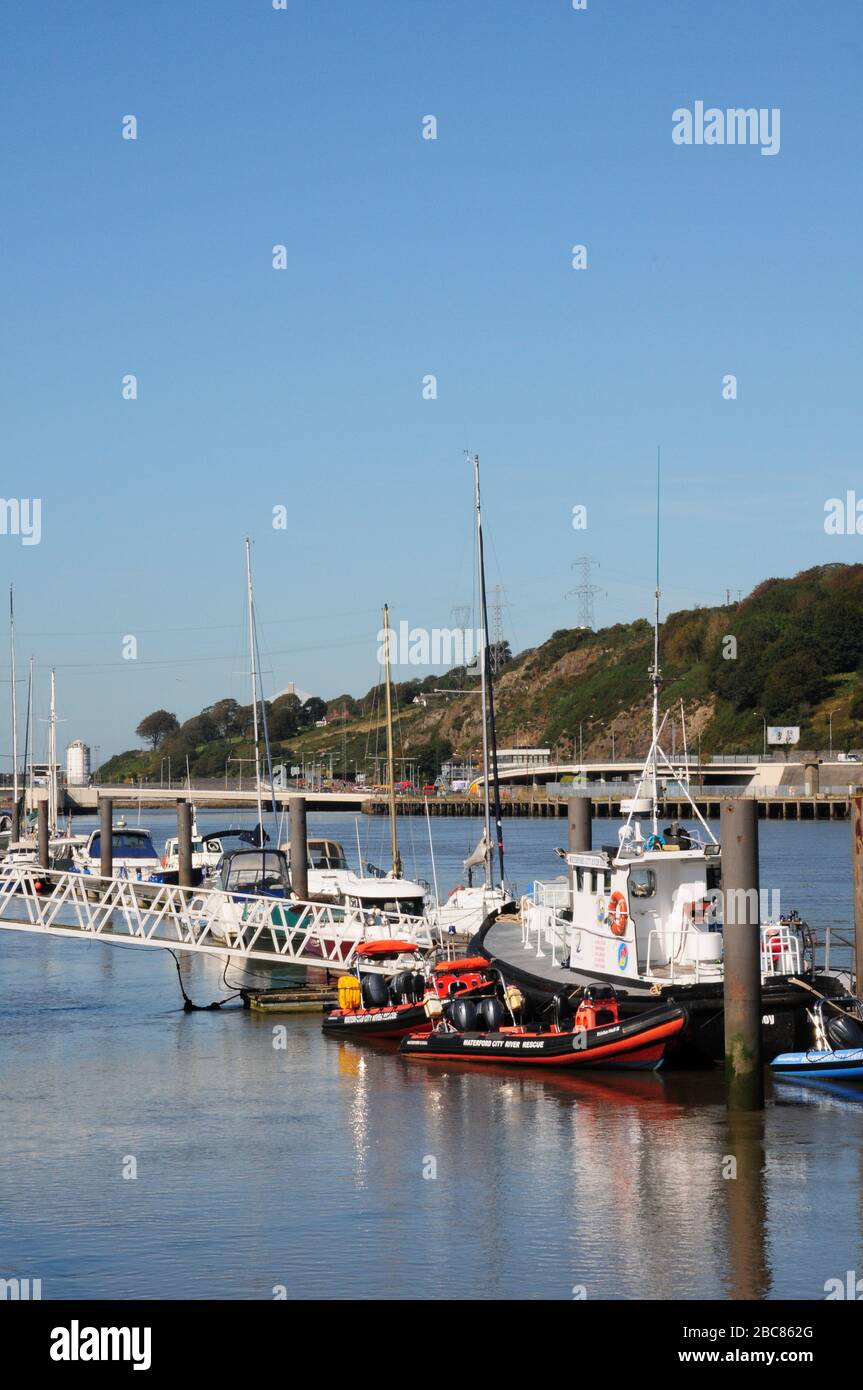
(364, 906)
(326, 866)
(133, 854)
(207, 850)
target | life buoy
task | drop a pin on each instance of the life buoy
(618, 915)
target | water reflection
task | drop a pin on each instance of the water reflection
(257, 1163)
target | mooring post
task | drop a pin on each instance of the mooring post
(741, 932)
(106, 836)
(580, 814)
(857, 866)
(299, 848)
(42, 834)
(184, 843)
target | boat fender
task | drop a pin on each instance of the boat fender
(618, 915)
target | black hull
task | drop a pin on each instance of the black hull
(631, 1044)
(785, 1025)
(395, 1022)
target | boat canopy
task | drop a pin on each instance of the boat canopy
(376, 949)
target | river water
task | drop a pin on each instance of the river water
(148, 1153)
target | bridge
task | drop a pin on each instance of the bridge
(86, 799)
(241, 928)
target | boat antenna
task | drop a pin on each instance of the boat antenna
(489, 732)
(655, 672)
(254, 672)
(391, 771)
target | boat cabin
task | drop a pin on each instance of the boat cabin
(646, 907)
(132, 849)
(254, 871)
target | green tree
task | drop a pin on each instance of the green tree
(156, 727)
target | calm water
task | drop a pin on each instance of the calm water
(306, 1167)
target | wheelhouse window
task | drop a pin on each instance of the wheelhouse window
(642, 883)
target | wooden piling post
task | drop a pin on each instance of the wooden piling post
(579, 829)
(299, 848)
(106, 836)
(42, 835)
(857, 869)
(744, 1063)
(15, 828)
(184, 843)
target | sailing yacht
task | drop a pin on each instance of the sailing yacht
(469, 907)
(359, 905)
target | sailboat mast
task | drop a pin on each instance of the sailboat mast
(488, 721)
(391, 771)
(52, 758)
(483, 692)
(254, 671)
(14, 701)
(27, 729)
(655, 674)
(28, 768)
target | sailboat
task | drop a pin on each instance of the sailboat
(358, 905)
(469, 907)
(642, 915)
(387, 895)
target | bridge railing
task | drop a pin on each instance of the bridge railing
(243, 926)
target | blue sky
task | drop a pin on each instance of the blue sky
(302, 387)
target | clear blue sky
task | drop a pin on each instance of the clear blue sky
(409, 257)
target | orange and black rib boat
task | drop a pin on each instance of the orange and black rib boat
(595, 1036)
(375, 1005)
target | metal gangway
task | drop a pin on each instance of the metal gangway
(241, 927)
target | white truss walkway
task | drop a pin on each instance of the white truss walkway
(125, 912)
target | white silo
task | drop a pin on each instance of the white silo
(78, 764)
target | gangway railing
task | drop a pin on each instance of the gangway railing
(239, 926)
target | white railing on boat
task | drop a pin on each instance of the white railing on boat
(782, 953)
(541, 922)
(127, 912)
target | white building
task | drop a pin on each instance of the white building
(78, 764)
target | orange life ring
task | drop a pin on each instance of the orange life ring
(617, 914)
